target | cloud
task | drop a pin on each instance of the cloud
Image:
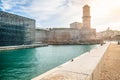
(43, 9)
(9, 4)
(46, 12)
(57, 13)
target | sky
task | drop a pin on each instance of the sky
(60, 13)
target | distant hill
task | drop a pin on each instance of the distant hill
(109, 34)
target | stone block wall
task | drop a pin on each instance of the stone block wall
(65, 35)
(41, 35)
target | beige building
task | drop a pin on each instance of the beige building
(76, 25)
(70, 35)
(86, 19)
(77, 33)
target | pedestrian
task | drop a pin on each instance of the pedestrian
(72, 60)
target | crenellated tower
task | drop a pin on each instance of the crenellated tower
(86, 17)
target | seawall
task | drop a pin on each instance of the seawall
(84, 67)
(4, 48)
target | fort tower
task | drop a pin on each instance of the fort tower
(86, 17)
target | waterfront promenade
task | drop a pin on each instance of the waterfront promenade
(111, 66)
(85, 67)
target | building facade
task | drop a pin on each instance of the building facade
(76, 25)
(16, 30)
(41, 35)
(59, 35)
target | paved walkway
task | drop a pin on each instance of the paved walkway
(84, 67)
(111, 65)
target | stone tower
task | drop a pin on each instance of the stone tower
(86, 17)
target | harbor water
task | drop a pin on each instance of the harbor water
(25, 64)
